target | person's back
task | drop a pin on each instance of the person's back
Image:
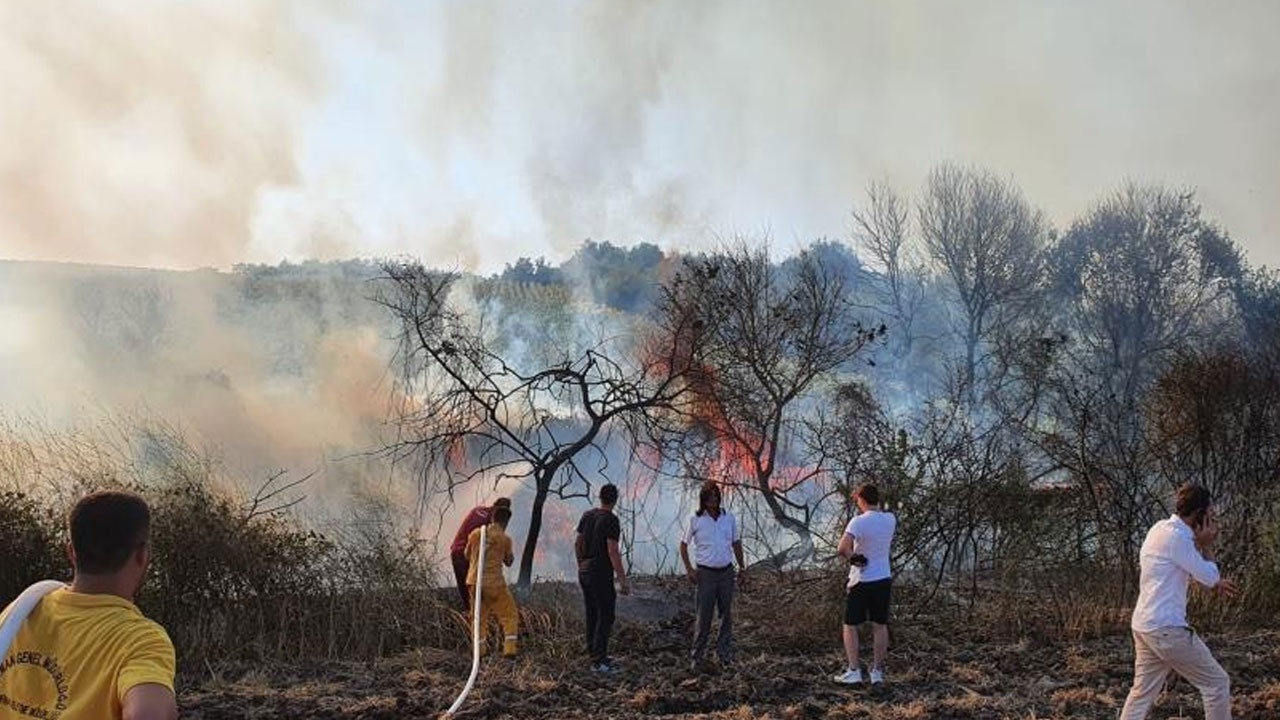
(86, 652)
(873, 537)
(78, 654)
(1168, 561)
(597, 526)
(478, 516)
(596, 548)
(497, 548)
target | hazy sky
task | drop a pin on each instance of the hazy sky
(188, 133)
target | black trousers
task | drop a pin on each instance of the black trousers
(600, 600)
(460, 568)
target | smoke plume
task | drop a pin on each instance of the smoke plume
(201, 133)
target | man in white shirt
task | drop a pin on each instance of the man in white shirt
(1176, 551)
(717, 541)
(865, 544)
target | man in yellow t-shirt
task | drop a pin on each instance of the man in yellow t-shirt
(86, 652)
(495, 597)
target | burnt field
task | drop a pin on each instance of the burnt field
(943, 664)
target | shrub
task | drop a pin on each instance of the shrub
(232, 577)
(31, 536)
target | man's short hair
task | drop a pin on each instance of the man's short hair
(107, 527)
(1192, 498)
(502, 515)
(869, 493)
(609, 494)
(502, 502)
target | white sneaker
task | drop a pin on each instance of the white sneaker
(877, 676)
(851, 676)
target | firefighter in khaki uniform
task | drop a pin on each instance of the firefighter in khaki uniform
(495, 597)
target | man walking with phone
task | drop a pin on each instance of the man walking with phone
(1176, 551)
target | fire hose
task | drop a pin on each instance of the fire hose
(475, 630)
(20, 608)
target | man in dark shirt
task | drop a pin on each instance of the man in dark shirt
(598, 561)
(480, 515)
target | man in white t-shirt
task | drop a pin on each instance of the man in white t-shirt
(865, 544)
(1176, 551)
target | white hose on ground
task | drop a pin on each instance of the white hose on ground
(20, 608)
(475, 629)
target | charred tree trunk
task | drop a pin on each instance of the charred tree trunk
(795, 525)
(542, 487)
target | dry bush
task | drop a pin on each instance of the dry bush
(233, 583)
(811, 601)
(1064, 605)
(30, 534)
(233, 576)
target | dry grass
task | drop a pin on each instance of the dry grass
(937, 669)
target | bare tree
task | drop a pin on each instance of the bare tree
(1081, 428)
(850, 434)
(1138, 284)
(466, 410)
(883, 226)
(987, 239)
(1133, 282)
(1257, 295)
(765, 337)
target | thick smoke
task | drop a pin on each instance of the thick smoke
(267, 374)
(667, 121)
(142, 133)
(201, 133)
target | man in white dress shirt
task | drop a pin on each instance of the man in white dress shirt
(1177, 551)
(717, 541)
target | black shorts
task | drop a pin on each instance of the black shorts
(868, 601)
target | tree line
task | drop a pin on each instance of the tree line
(1028, 395)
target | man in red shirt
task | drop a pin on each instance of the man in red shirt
(480, 515)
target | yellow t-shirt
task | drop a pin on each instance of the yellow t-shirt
(497, 548)
(77, 655)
